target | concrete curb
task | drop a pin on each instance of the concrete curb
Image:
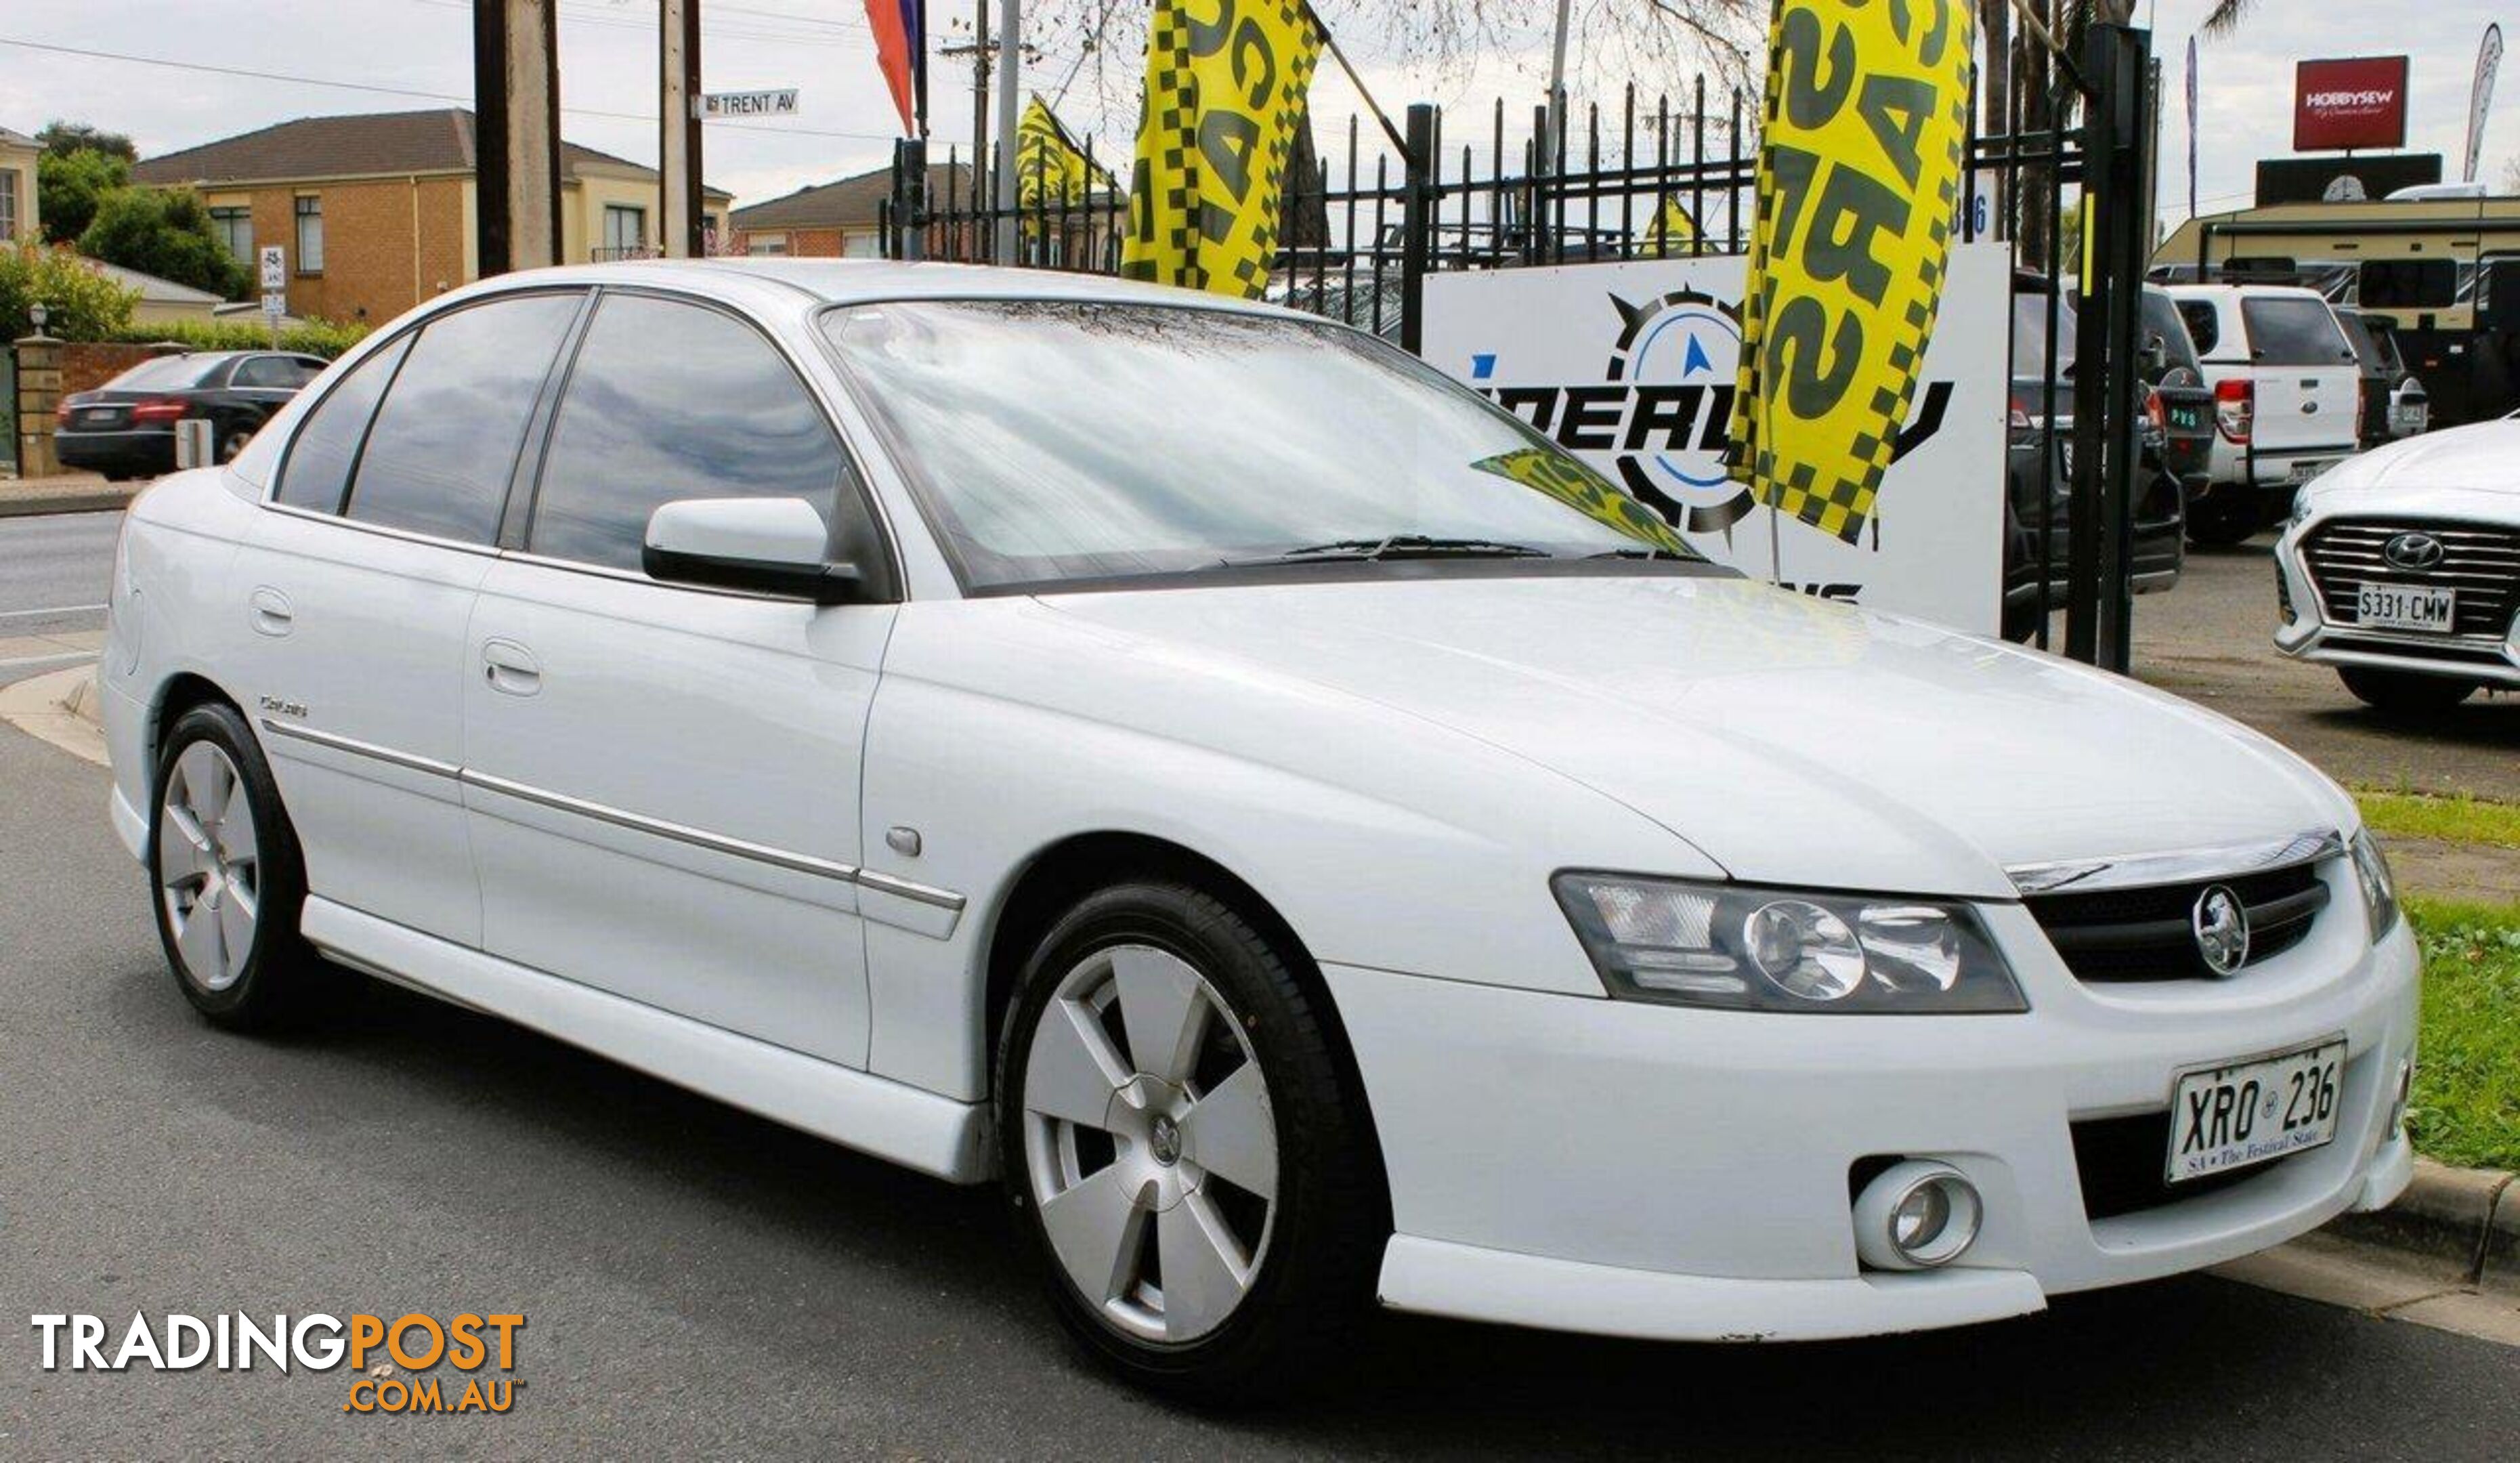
(59, 708)
(2466, 1217)
(74, 494)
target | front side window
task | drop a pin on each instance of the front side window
(310, 234)
(2291, 330)
(444, 443)
(1053, 441)
(671, 400)
(317, 472)
(235, 228)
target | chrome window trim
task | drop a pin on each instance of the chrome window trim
(384, 531)
(2176, 866)
(357, 747)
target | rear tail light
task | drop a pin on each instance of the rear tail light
(2235, 410)
(2019, 421)
(62, 413)
(2156, 413)
(162, 409)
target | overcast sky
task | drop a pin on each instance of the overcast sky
(823, 48)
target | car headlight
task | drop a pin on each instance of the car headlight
(1742, 948)
(2379, 891)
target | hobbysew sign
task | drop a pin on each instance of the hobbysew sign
(2358, 102)
(1633, 368)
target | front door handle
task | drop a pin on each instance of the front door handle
(511, 667)
(270, 611)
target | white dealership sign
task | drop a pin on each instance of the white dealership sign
(1631, 366)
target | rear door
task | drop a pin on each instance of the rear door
(2308, 380)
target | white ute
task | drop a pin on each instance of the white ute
(2287, 399)
(1308, 839)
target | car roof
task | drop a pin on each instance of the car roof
(855, 281)
(2234, 291)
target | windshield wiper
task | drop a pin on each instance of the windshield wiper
(1647, 553)
(1395, 546)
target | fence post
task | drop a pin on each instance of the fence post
(1415, 211)
(2100, 571)
(39, 391)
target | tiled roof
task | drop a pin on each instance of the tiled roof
(847, 203)
(439, 140)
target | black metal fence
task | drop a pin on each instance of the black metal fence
(1368, 218)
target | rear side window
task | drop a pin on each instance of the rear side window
(268, 371)
(2286, 330)
(318, 471)
(2204, 326)
(439, 459)
(672, 400)
(2367, 350)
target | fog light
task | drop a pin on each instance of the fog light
(1917, 1216)
(2406, 1090)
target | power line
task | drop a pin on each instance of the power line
(251, 73)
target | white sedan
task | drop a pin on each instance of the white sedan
(2401, 567)
(1311, 840)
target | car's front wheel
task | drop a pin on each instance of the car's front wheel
(1183, 1147)
(225, 870)
(2405, 690)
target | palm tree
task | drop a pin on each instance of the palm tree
(2227, 15)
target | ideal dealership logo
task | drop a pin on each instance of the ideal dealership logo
(1662, 412)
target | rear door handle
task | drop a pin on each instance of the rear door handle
(270, 611)
(511, 667)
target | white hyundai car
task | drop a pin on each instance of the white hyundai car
(1310, 839)
(2401, 567)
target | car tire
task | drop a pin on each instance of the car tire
(2405, 690)
(2223, 519)
(1236, 1146)
(238, 438)
(225, 874)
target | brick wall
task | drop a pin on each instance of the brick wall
(87, 365)
(381, 256)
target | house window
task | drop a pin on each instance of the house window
(310, 234)
(8, 204)
(625, 232)
(866, 246)
(765, 243)
(235, 228)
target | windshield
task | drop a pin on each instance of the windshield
(2033, 311)
(167, 373)
(1060, 441)
(2293, 329)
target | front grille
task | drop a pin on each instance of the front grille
(2148, 933)
(2482, 564)
(2121, 1162)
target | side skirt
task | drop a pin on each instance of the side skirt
(921, 1130)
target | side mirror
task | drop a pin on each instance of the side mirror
(764, 545)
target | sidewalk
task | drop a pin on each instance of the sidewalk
(69, 493)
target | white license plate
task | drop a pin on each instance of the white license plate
(2224, 1117)
(2405, 607)
(2303, 472)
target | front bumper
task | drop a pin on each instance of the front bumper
(2307, 633)
(1650, 1171)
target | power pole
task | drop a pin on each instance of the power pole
(515, 110)
(681, 224)
(1010, 105)
(979, 51)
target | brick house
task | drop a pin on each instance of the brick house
(839, 219)
(378, 209)
(18, 155)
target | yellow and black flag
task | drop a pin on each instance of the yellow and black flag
(1222, 106)
(1051, 170)
(1671, 230)
(1859, 169)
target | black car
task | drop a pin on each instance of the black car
(2038, 465)
(2394, 404)
(126, 427)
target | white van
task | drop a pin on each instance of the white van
(2287, 397)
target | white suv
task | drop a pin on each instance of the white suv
(2287, 399)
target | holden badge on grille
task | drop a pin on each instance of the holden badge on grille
(2221, 925)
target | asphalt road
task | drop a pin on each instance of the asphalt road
(697, 1282)
(53, 581)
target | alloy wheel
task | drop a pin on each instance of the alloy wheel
(208, 865)
(1151, 1142)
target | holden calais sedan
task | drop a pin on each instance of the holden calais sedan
(1309, 840)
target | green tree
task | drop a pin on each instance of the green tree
(79, 302)
(165, 232)
(70, 184)
(60, 136)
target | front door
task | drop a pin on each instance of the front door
(357, 585)
(663, 780)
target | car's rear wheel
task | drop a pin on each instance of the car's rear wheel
(238, 438)
(2405, 690)
(1182, 1148)
(226, 873)
(2223, 517)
